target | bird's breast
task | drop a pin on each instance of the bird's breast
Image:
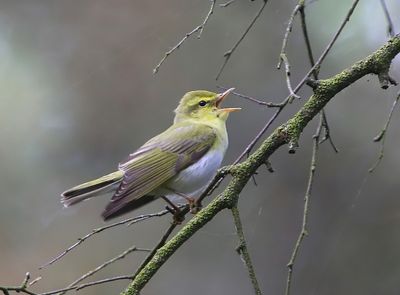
(195, 177)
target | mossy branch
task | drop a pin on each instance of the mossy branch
(377, 63)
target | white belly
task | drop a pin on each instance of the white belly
(193, 179)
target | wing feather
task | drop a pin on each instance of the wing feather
(158, 160)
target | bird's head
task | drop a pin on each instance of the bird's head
(203, 105)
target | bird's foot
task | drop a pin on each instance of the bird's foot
(195, 206)
(178, 216)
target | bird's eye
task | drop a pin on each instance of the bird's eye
(202, 103)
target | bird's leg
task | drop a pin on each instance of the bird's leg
(174, 210)
(193, 205)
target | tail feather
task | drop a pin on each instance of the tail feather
(118, 208)
(91, 189)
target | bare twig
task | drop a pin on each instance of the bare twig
(390, 27)
(243, 251)
(105, 264)
(228, 54)
(301, 83)
(304, 231)
(289, 27)
(327, 134)
(23, 288)
(250, 98)
(328, 47)
(227, 3)
(288, 82)
(382, 135)
(210, 11)
(160, 243)
(199, 29)
(89, 284)
(95, 231)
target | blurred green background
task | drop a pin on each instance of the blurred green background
(78, 95)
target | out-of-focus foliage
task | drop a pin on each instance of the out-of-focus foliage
(78, 95)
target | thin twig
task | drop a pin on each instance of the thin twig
(328, 47)
(289, 27)
(390, 27)
(199, 29)
(226, 4)
(105, 264)
(327, 134)
(288, 82)
(95, 231)
(160, 243)
(304, 231)
(218, 178)
(247, 97)
(23, 288)
(382, 135)
(302, 82)
(228, 54)
(89, 284)
(243, 251)
(210, 11)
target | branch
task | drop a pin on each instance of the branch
(382, 135)
(105, 264)
(390, 27)
(128, 221)
(376, 63)
(297, 8)
(247, 97)
(312, 71)
(199, 29)
(228, 54)
(288, 82)
(304, 230)
(226, 4)
(89, 284)
(23, 288)
(243, 251)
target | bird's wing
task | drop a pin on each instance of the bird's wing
(159, 160)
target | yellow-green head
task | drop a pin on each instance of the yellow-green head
(203, 105)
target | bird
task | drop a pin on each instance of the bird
(181, 161)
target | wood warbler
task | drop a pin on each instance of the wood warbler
(181, 161)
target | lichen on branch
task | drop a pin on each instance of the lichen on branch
(377, 63)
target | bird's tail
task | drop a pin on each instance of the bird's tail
(91, 189)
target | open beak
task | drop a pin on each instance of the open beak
(221, 97)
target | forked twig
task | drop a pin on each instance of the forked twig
(199, 29)
(289, 28)
(327, 133)
(89, 284)
(128, 221)
(105, 264)
(160, 243)
(288, 82)
(243, 251)
(23, 288)
(301, 83)
(382, 135)
(304, 231)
